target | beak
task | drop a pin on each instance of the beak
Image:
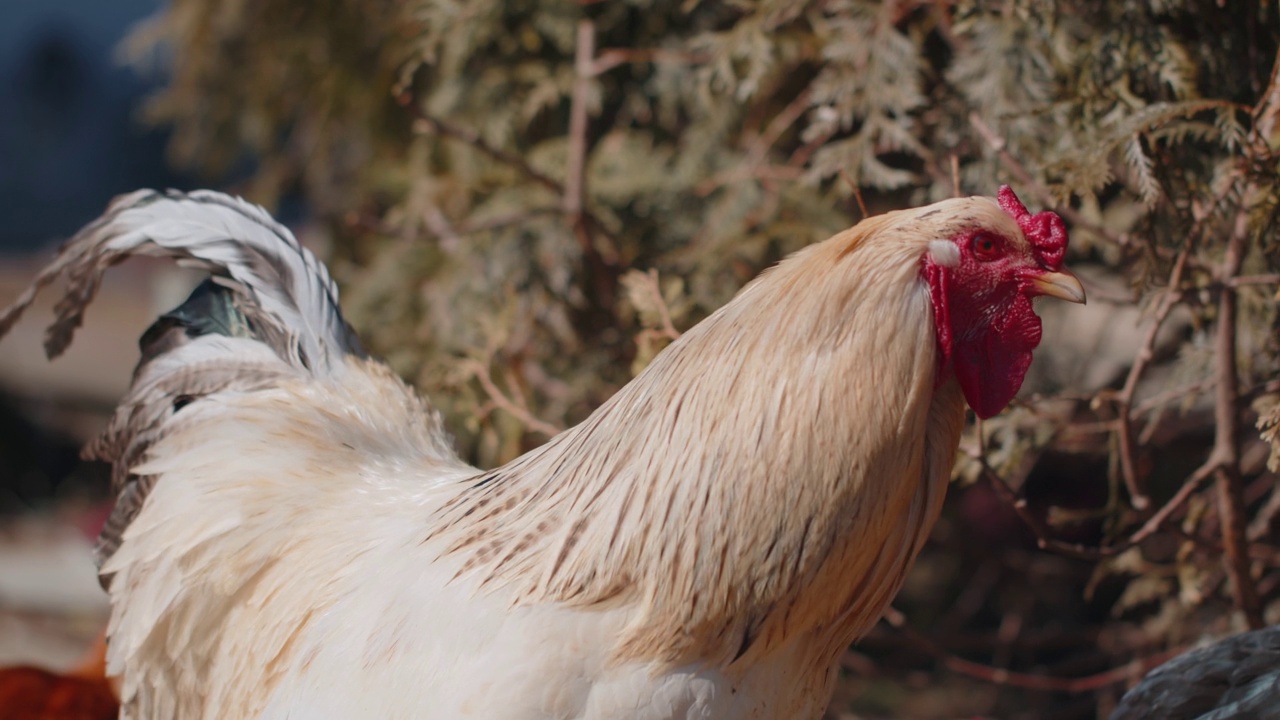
(1062, 285)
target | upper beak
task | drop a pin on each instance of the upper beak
(1062, 285)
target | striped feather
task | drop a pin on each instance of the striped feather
(270, 311)
(286, 292)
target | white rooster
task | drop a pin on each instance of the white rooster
(295, 537)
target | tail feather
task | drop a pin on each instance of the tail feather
(162, 387)
(286, 293)
(269, 312)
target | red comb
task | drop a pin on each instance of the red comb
(1045, 230)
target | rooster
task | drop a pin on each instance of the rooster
(294, 535)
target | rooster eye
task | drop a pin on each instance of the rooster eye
(985, 246)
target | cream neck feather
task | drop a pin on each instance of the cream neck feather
(769, 476)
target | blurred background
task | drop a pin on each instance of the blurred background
(524, 201)
(70, 138)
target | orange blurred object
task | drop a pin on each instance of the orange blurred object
(30, 693)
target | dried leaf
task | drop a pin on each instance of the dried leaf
(1268, 409)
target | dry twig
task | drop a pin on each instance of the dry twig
(517, 408)
(1001, 676)
(1079, 551)
(1226, 450)
(666, 328)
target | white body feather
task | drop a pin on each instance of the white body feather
(308, 546)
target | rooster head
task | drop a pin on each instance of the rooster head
(982, 282)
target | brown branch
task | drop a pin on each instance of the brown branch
(857, 194)
(435, 220)
(611, 58)
(574, 183)
(1163, 398)
(1226, 445)
(1256, 550)
(766, 173)
(1043, 532)
(1029, 681)
(1155, 403)
(1124, 399)
(800, 156)
(753, 165)
(497, 222)
(1243, 280)
(443, 128)
(518, 409)
(1260, 526)
(1267, 110)
(429, 123)
(667, 328)
(599, 261)
(778, 125)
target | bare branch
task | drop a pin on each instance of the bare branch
(1124, 399)
(1079, 551)
(576, 164)
(610, 58)
(1000, 676)
(666, 328)
(857, 193)
(1242, 280)
(1226, 448)
(516, 408)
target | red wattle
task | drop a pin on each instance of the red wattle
(989, 355)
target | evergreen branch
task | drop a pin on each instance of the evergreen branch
(999, 146)
(599, 267)
(1143, 168)
(1155, 115)
(425, 122)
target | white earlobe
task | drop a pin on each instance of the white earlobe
(944, 253)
